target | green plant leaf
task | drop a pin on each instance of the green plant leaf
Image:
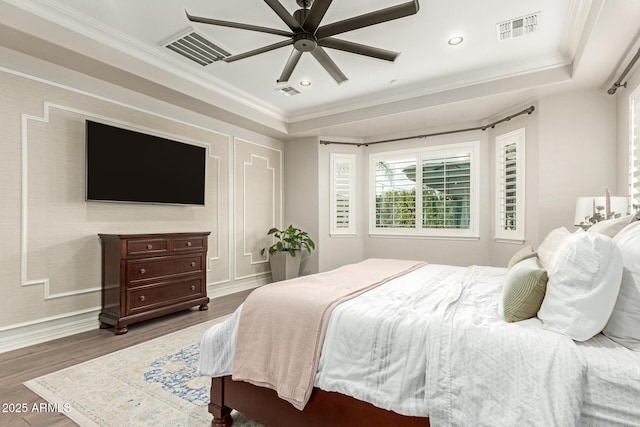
(291, 239)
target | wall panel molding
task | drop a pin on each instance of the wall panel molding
(252, 194)
(248, 200)
(48, 108)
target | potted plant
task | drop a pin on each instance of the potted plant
(285, 253)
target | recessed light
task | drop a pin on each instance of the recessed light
(305, 83)
(455, 40)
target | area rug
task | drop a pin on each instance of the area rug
(151, 384)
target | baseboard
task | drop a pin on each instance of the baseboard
(228, 288)
(21, 335)
(38, 331)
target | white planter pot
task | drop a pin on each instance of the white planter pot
(284, 266)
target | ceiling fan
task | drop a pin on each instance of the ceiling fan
(307, 35)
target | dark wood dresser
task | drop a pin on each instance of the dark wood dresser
(149, 275)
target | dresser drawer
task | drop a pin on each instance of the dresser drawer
(145, 276)
(147, 247)
(149, 269)
(185, 244)
(148, 297)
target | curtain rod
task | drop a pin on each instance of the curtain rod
(484, 127)
(612, 90)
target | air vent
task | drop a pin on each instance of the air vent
(197, 48)
(287, 90)
(517, 27)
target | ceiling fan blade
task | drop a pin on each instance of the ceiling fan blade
(360, 49)
(315, 15)
(290, 66)
(328, 64)
(284, 14)
(368, 19)
(257, 51)
(237, 25)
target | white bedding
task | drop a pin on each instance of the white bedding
(612, 389)
(433, 343)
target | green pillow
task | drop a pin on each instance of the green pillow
(523, 290)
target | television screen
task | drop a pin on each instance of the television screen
(127, 166)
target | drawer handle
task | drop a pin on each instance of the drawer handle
(142, 271)
(188, 243)
(149, 246)
(141, 297)
(193, 287)
(193, 263)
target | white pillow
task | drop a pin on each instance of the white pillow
(550, 244)
(524, 253)
(624, 325)
(584, 280)
(611, 227)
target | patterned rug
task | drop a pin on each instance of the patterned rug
(151, 384)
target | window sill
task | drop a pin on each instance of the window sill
(510, 241)
(422, 236)
(340, 235)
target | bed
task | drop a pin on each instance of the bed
(431, 347)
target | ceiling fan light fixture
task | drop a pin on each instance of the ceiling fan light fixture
(454, 41)
(308, 35)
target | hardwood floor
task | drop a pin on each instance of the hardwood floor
(27, 363)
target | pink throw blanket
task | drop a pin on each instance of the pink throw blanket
(282, 325)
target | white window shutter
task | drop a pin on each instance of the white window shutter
(634, 152)
(395, 193)
(510, 188)
(425, 192)
(446, 191)
(343, 194)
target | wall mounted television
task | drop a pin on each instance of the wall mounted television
(127, 166)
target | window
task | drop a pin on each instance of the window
(428, 192)
(510, 186)
(634, 152)
(343, 202)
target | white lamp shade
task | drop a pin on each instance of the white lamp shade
(620, 205)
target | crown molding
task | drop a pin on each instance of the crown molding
(96, 31)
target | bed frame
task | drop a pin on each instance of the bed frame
(323, 409)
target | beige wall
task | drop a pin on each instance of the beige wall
(50, 259)
(570, 152)
(339, 250)
(49, 264)
(301, 195)
(501, 251)
(437, 251)
(577, 153)
(258, 205)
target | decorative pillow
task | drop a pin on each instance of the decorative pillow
(624, 324)
(523, 290)
(522, 254)
(584, 280)
(550, 244)
(611, 227)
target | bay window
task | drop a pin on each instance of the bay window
(425, 192)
